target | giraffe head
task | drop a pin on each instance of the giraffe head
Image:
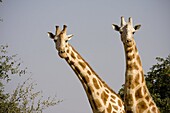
(61, 40)
(126, 30)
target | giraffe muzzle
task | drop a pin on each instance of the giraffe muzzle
(62, 54)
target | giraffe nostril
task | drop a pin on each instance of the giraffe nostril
(128, 40)
(62, 51)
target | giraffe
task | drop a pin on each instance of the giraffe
(136, 95)
(101, 98)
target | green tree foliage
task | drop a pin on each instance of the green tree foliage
(24, 98)
(158, 83)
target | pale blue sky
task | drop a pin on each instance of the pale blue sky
(26, 23)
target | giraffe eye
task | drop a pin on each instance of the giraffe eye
(66, 40)
(55, 40)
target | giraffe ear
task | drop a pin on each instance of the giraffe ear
(115, 27)
(51, 35)
(137, 27)
(70, 36)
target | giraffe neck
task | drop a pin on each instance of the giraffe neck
(102, 99)
(137, 97)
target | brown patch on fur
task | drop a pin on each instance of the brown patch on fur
(107, 90)
(83, 65)
(68, 51)
(77, 70)
(130, 57)
(104, 97)
(129, 50)
(129, 67)
(113, 101)
(129, 100)
(154, 109)
(138, 59)
(142, 106)
(86, 79)
(73, 56)
(151, 104)
(113, 97)
(136, 50)
(147, 98)
(136, 81)
(144, 89)
(149, 111)
(67, 59)
(135, 66)
(71, 63)
(132, 66)
(88, 72)
(130, 78)
(115, 107)
(138, 93)
(78, 57)
(142, 75)
(95, 83)
(90, 90)
(130, 82)
(119, 103)
(100, 83)
(109, 109)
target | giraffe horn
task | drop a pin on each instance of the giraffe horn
(64, 28)
(57, 30)
(123, 21)
(130, 20)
